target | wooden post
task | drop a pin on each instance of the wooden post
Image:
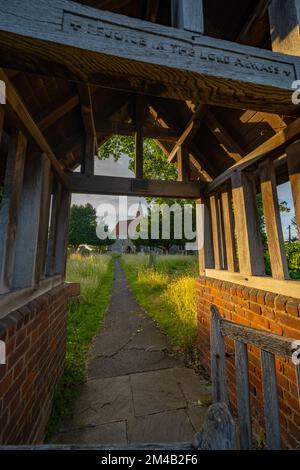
(249, 244)
(88, 162)
(51, 249)
(44, 223)
(270, 393)
(25, 263)
(243, 395)
(2, 113)
(9, 212)
(138, 119)
(62, 232)
(183, 164)
(218, 234)
(218, 368)
(204, 236)
(293, 161)
(284, 18)
(188, 14)
(273, 222)
(228, 220)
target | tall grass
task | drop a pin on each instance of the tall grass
(95, 274)
(168, 293)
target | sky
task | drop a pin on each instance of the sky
(120, 168)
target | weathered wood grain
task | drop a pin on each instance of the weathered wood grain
(78, 42)
(228, 222)
(218, 369)
(138, 120)
(293, 161)
(14, 100)
(112, 185)
(218, 432)
(204, 236)
(47, 184)
(10, 207)
(272, 148)
(183, 165)
(188, 14)
(25, 262)
(243, 395)
(284, 17)
(271, 343)
(62, 232)
(271, 406)
(273, 221)
(51, 248)
(249, 244)
(217, 233)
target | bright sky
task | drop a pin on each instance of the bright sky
(120, 168)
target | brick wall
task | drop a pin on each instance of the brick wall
(35, 338)
(263, 310)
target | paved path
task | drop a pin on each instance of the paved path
(136, 391)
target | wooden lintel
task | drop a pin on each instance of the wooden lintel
(189, 132)
(18, 107)
(272, 148)
(119, 186)
(124, 128)
(74, 41)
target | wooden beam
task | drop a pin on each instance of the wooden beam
(81, 43)
(10, 205)
(51, 248)
(229, 145)
(204, 236)
(124, 128)
(15, 102)
(183, 165)
(284, 18)
(188, 15)
(273, 222)
(27, 236)
(272, 148)
(2, 113)
(90, 139)
(189, 132)
(271, 405)
(138, 121)
(293, 161)
(111, 185)
(249, 245)
(258, 12)
(228, 221)
(62, 232)
(217, 232)
(56, 112)
(43, 234)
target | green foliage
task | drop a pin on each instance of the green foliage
(168, 294)
(85, 315)
(83, 224)
(293, 257)
(156, 165)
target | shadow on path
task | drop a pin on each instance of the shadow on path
(136, 391)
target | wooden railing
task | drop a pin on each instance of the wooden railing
(270, 345)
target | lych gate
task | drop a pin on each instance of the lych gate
(182, 73)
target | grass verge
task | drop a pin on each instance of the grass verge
(168, 294)
(95, 274)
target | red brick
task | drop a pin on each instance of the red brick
(292, 307)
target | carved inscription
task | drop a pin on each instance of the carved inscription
(147, 41)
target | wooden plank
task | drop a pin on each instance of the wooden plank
(112, 185)
(298, 379)
(217, 232)
(183, 165)
(271, 406)
(218, 431)
(188, 15)
(138, 120)
(88, 162)
(229, 145)
(204, 236)
(228, 222)
(189, 132)
(249, 244)
(25, 262)
(15, 102)
(273, 221)
(124, 128)
(9, 212)
(218, 368)
(2, 113)
(243, 395)
(293, 161)
(272, 148)
(284, 18)
(81, 43)
(51, 248)
(62, 232)
(47, 182)
(56, 112)
(90, 141)
(274, 344)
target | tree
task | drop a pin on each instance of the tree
(83, 225)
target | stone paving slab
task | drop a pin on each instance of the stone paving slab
(137, 391)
